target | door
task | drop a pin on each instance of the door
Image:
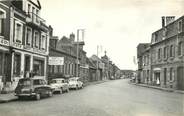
(165, 75)
(27, 66)
(180, 78)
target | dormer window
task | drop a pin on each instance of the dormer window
(180, 26)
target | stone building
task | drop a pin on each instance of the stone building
(166, 56)
(167, 53)
(142, 52)
(27, 41)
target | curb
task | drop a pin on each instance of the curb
(159, 88)
(8, 100)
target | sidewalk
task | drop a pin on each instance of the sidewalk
(7, 97)
(159, 88)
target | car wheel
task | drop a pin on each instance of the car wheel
(37, 96)
(61, 91)
(77, 87)
(50, 94)
(20, 97)
(67, 90)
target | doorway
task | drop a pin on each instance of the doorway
(180, 78)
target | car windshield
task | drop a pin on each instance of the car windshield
(38, 82)
(53, 81)
(73, 79)
(23, 82)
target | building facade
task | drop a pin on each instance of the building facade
(143, 62)
(166, 56)
(28, 42)
(63, 48)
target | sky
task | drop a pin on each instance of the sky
(118, 26)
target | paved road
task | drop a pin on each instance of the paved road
(113, 98)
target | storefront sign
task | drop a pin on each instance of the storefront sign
(38, 51)
(4, 42)
(56, 60)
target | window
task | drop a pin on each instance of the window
(18, 32)
(37, 20)
(159, 53)
(29, 10)
(16, 66)
(55, 69)
(2, 17)
(180, 49)
(180, 26)
(171, 51)
(165, 52)
(1, 63)
(28, 36)
(38, 67)
(36, 39)
(171, 73)
(43, 40)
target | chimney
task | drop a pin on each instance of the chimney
(72, 37)
(163, 21)
(169, 19)
(53, 41)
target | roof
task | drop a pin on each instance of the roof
(91, 64)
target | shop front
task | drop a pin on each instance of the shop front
(156, 76)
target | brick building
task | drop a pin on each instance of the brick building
(67, 48)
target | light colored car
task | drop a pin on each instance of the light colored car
(59, 85)
(33, 87)
(75, 83)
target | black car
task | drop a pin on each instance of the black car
(33, 87)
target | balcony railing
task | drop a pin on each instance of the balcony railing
(34, 18)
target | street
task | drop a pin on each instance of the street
(112, 98)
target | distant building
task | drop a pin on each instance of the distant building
(92, 70)
(127, 73)
(66, 48)
(99, 65)
(143, 56)
(106, 60)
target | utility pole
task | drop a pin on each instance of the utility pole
(77, 67)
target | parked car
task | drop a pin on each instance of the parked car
(75, 83)
(33, 87)
(59, 85)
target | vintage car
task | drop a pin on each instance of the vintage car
(33, 87)
(59, 85)
(75, 83)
